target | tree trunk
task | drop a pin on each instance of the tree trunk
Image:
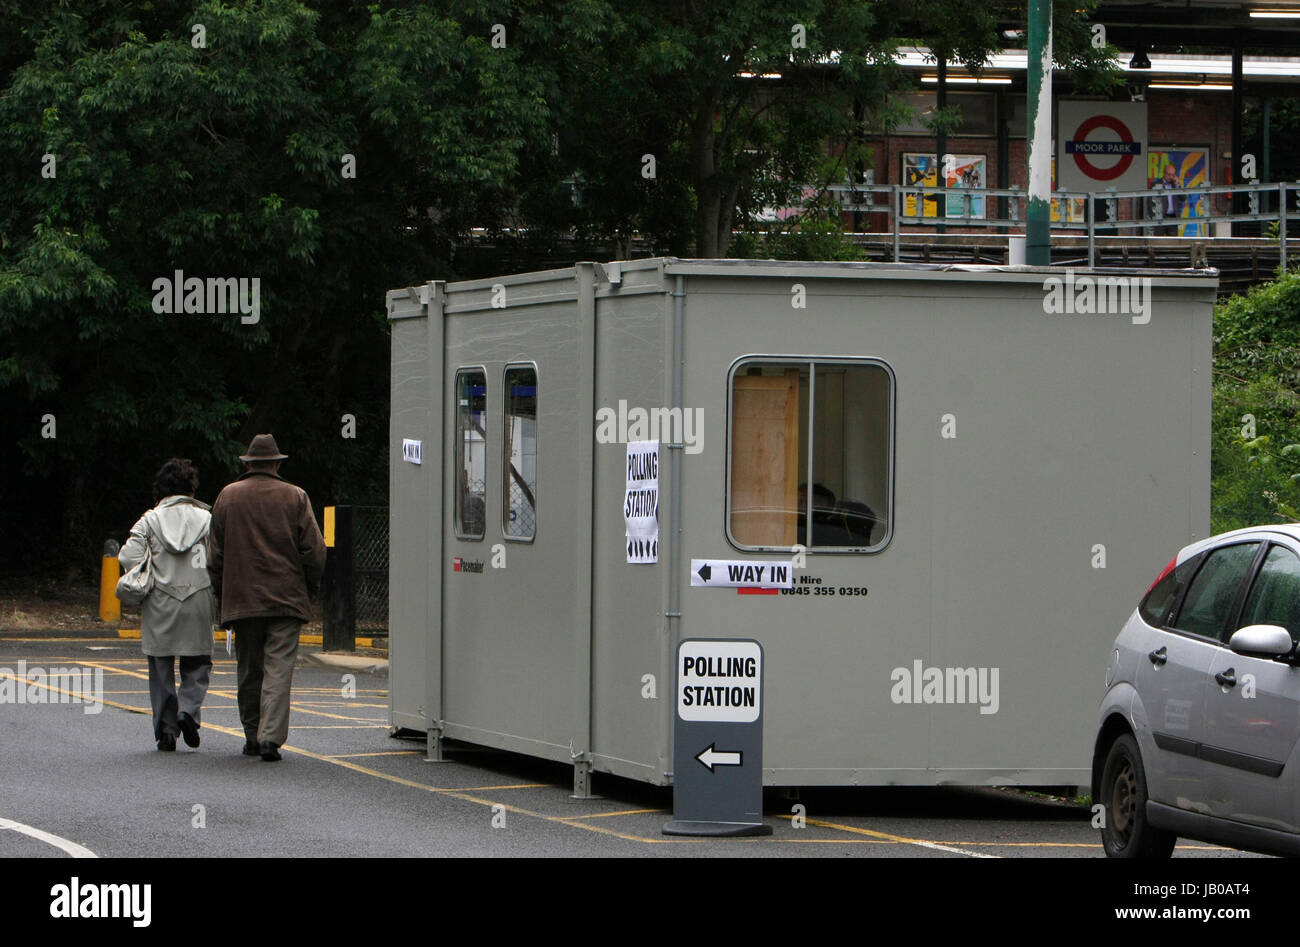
(708, 196)
(726, 217)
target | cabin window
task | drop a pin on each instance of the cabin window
(471, 453)
(519, 464)
(811, 441)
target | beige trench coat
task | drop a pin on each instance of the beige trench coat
(177, 616)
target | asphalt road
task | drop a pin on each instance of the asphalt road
(345, 788)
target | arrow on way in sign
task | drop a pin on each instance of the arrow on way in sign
(705, 571)
(711, 757)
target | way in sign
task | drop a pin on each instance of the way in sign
(731, 573)
(747, 574)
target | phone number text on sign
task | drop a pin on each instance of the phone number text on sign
(826, 591)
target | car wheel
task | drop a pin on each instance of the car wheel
(1125, 831)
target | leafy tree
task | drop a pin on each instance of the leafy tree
(743, 104)
(225, 158)
(217, 139)
(1256, 418)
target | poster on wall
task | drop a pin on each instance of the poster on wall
(1075, 208)
(641, 502)
(1191, 168)
(923, 170)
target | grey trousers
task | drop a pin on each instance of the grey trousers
(196, 671)
(265, 650)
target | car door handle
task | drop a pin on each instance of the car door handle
(1227, 678)
(1159, 656)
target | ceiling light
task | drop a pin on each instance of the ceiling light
(1192, 87)
(969, 80)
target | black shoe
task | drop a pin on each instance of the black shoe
(251, 748)
(189, 730)
(270, 753)
(167, 742)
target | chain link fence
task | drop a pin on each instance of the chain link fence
(370, 525)
(355, 588)
(523, 517)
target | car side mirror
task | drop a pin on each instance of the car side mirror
(1270, 641)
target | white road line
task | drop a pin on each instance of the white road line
(949, 848)
(898, 839)
(72, 848)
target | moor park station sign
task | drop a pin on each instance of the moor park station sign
(1101, 145)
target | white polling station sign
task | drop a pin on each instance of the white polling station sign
(641, 502)
(412, 451)
(719, 681)
(741, 574)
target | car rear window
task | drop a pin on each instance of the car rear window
(1155, 606)
(1210, 597)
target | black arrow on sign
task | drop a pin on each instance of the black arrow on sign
(705, 572)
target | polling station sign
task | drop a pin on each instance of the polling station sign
(718, 739)
(1101, 145)
(641, 502)
(719, 680)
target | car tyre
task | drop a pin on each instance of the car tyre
(1126, 832)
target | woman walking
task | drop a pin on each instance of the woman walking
(177, 616)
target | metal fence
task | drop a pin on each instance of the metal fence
(355, 588)
(370, 566)
(523, 518)
(1263, 206)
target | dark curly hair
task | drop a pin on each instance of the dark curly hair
(178, 477)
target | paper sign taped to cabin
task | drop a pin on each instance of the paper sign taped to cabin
(641, 501)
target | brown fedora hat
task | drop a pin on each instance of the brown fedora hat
(263, 447)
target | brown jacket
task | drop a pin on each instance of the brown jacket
(267, 555)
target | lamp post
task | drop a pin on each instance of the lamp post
(1038, 233)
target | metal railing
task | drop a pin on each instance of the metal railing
(1003, 209)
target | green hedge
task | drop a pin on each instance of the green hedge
(1256, 422)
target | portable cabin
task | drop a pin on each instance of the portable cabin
(995, 462)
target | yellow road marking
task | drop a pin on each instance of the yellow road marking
(7, 640)
(824, 841)
(350, 703)
(344, 756)
(462, 794)
(898, 839)
(230, 695)
(577, 821)
(340, 726)
(133, 634)
(60, 690)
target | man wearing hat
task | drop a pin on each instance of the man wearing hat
(266, 560)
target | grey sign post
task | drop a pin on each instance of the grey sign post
(718, 742)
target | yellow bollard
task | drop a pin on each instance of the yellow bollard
(110, 607)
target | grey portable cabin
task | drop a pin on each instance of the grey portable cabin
(994, 471)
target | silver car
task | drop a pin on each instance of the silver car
(1200, 723)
